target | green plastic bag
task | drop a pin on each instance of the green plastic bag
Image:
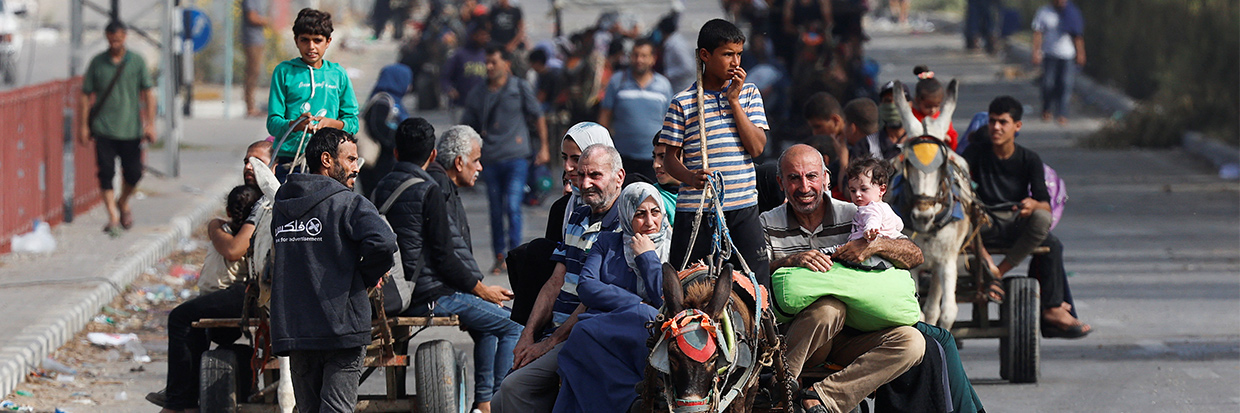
(875, 299)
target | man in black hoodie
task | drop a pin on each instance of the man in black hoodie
(330, 246)
(433, 249)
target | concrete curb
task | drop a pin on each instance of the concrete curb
(37, 341)
(1225, 158)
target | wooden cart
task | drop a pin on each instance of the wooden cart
(443, 375)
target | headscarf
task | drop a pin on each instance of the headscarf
(585, 134)
(631, 198)
(394, 79)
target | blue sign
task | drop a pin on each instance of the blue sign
(197, 27)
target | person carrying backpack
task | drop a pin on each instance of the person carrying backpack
(382, 113)
(432, 252)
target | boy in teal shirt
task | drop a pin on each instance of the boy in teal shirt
(308, 93)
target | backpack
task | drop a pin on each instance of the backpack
(1058, 192)
(380, 117)
(397, 286)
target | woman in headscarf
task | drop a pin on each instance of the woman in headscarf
(621, 286)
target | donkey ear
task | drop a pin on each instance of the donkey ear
(912, 126)
(673, 292)
(938, 127)
(723, 291)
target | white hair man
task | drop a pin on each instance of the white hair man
(457, 164)
(534, 383)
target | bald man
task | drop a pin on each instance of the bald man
(220, 299)
(809, 220)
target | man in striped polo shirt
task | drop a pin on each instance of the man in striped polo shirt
(735, 133)
(533, 384)
(795, 231)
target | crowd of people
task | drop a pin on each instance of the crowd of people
(651, 154)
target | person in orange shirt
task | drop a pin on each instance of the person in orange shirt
(928, 100)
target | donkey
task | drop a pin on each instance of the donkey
(935, 204)
(693, 350)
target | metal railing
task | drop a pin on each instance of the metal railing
(36, 139)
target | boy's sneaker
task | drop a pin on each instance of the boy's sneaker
(158, 398)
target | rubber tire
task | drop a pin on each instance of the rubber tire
(436, 377)
(217, 383)
(465, 376)
(1020, 352)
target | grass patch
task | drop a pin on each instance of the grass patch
(1179, 58)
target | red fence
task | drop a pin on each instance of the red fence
(32, 167)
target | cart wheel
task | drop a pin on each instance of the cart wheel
(465, 376)
(217, 385)
(437, 377)
(1020, 351)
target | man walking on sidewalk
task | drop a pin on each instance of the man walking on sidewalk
(253, 22)
(120, 115)
(1059, 46)
(330, 246)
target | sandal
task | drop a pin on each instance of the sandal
(1075, 331)
(113, 230)
(127, 219)
(993, 291)
(991, 287)
(500, 266)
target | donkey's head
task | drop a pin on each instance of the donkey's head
(927, 126)
(693, 348)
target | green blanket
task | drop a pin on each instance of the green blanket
(875, 299)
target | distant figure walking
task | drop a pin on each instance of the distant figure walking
(120, 108)
(1059, 46)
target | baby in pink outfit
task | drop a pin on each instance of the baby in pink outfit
(867, 183)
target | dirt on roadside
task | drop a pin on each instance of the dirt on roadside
(108, 378)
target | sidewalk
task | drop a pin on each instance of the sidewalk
(47, 298)
(50, 297)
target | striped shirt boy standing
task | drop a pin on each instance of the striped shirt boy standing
(735, 133)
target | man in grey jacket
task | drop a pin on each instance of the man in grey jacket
(330, 245)
(433, 250)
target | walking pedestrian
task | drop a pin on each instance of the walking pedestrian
(466, 67)
(501, 111)
(254, 42)
(1059, 47)
(120, 108)
(633, 108)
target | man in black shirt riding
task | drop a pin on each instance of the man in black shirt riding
(1011, 183)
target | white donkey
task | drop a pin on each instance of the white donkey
(935, 204)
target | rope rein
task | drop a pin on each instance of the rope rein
(299, 155)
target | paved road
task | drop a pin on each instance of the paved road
(1151, 250)
(1153, 255)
